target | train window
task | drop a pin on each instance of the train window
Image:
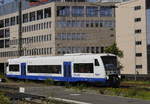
(83, 67)
(96, 62)
(110, 62)
(56, 69)
(14, 68)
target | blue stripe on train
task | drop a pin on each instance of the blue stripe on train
(69, 79)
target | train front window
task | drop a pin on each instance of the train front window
(110, 62)
(14, 68)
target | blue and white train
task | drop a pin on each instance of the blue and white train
(101, 68)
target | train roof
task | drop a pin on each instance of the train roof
(65, 55)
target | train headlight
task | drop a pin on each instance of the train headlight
(107, 77)
(119, 76)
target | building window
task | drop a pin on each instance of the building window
(137, 19)
(1, 43)
(17, 19)
(2, 33)
(97, 49)
(106, 11)
(25, 18)
(39, 14)
(137, 31)
(108, 23)
(137, 7)
(63, 11)
(7, 33)
(12, 21)
(7, 43)
(139, 66)
(1, 23)
(102, 49)
(47, 12)
(77, 11)
(138, 42)
(32, 16)
(138, 54)
(92, 11)
(7, 22)
(83, 68)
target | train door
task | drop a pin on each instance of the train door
(23, 69)
(67, 69)
(97, 68)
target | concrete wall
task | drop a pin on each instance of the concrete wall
(126, 37)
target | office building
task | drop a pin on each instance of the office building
(133, 35)
(56, 28)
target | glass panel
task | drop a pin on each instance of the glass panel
(7, 33)
(1, 23)
(14, 68)
(63, 11)
(92, 11)
(6, 43)
(1, 33)
(47, 12)
(7, 22)
(83, 67)
(39, 14)
(1, 43)
(106, 11)
(44, 69)
(110, 62)
(32, 16)
(77, 11)
(25, 18)
(13, 20)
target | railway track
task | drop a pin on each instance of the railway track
(12, 91)
(21, 98)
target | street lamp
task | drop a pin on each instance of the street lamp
(20, 28)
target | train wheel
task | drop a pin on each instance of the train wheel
(114, 82)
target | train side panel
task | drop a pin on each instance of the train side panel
(89, 68)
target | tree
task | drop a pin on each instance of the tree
(114, 50)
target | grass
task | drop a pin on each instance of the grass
(4, 99)
(141, 91)
(127, 92)
(137, 82)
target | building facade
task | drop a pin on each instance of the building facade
(132, 35)
(57, 28)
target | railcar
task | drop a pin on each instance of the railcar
(101, 68)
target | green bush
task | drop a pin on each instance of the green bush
(132, 92)
(4, 99)
(3, 78)
(67, 85)
(49, 81)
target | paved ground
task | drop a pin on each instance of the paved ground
(87, 98)
(59, 92)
